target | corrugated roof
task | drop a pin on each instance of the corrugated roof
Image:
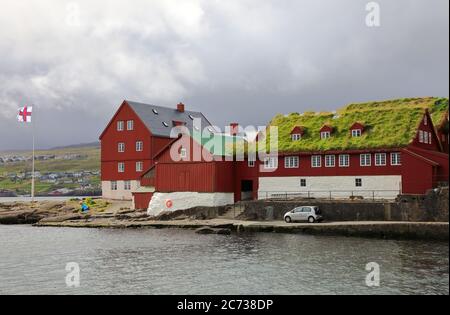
(159, 120)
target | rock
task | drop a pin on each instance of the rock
(208, 230)
(62, 218)
(21, 217)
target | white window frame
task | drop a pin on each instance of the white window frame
(251, 162)
(139, 146)
(121, 147)
(379, 159)
(114, 186)
(296, 137)
(291, 162)
(363, 160)
(270, 163)
(120, 125)
(127, 185)
(344, 158)
(396, 159)
(121, 167)
(328, 159)
(139, 167)
(421, 136)
(315, 159)
(130, 125)
(425, 137)
(356, 133)
(183, 153)
(325, 135)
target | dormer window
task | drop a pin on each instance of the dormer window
(356, 130)
(325, 134)
(297, 133)
(296, 137)
(356, 133)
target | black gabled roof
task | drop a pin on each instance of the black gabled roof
(154, 118)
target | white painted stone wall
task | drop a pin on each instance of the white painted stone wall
(120, 193)
(383, 187)
(187, 200)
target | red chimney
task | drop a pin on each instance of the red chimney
(234, 129)
(180, 108)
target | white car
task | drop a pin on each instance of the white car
(310, 214)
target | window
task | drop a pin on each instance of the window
(121, 167)
(114, 185)
(139, 146)
(330, 160)
(155, 112)
(302, 182)
(291, 162)
(121, 147)
(316, 161)
(366, 160)
(356, 133)
(429, 138)
(296, 137)
(425, 137)
(396, 159)
(120, 125)
(139, 166)
(271, 163)
(358, 182)
(325, 134)
(183, 153)
(344, 160)
(130, 125)
(127, 185)
(165, 124)
(380, 159)
(251, 162)
(191, 117)
(421, 136)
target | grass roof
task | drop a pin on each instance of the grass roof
(388, 124)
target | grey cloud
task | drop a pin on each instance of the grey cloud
(234, 60)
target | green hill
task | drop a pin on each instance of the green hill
(81, 160)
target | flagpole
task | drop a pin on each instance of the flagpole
(33, 157)
(32, 168)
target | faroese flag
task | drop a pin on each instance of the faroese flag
(25, 114)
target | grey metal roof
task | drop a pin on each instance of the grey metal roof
(154, 118)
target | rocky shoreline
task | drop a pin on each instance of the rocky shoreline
(116, 216)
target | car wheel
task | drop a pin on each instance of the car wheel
(311, 220)
(288, 219)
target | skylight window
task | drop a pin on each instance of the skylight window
(165, 124)
(155, 112)
(191, 117)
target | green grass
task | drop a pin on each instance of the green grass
(389, 124)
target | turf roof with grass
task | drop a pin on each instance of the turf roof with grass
(388, 124)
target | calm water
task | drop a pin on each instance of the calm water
(33, 261)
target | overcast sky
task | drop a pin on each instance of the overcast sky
(234, 60)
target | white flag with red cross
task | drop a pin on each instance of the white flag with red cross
(25, 114)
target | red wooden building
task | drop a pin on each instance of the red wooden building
(133, 136)
(373, 151)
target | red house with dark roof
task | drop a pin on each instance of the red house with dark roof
(133, 136)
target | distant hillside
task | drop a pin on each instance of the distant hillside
(74, 167)
(78, 146)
